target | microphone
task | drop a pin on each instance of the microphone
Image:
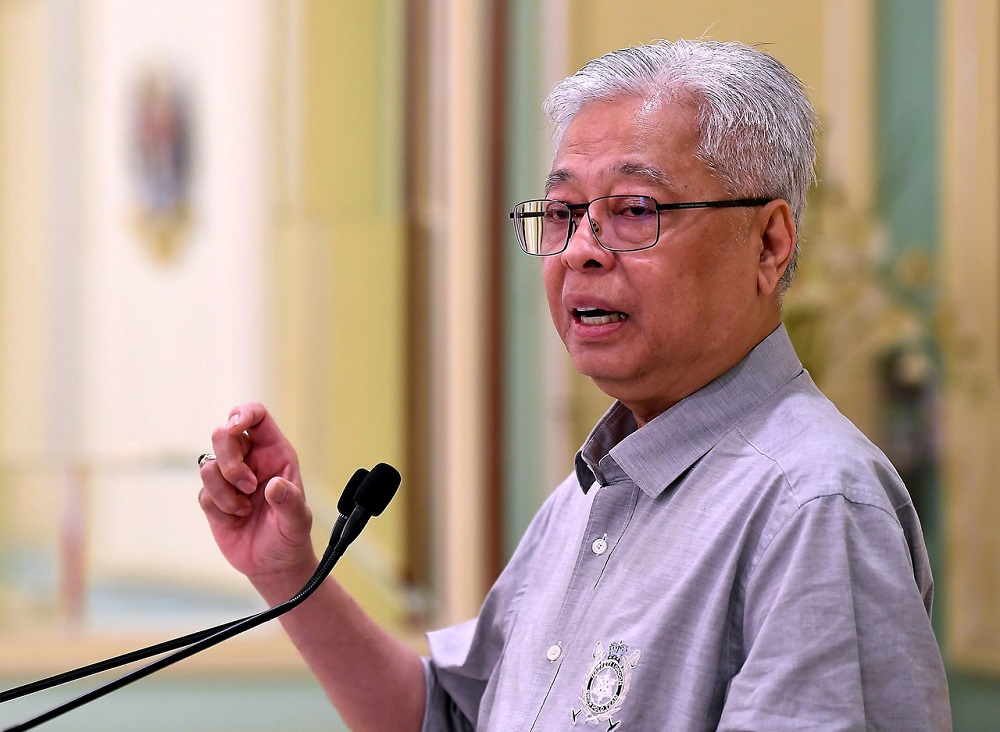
(371, 497)
(348, 499)
(345, 507)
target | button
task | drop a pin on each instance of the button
(554, 652)
(600, 545)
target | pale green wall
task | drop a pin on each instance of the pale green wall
(524, 422)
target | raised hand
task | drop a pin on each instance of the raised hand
(253, 498)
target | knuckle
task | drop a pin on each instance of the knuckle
(208, 502)
(223, 501)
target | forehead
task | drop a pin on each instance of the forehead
(651, 141)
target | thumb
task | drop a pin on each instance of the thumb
(288, 502)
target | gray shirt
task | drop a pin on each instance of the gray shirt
(746, 561)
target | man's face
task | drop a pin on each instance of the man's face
(690, 307)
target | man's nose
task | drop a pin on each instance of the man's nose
(584, 250)
(591, 229)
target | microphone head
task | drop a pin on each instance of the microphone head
(378, 488)
(349, 497)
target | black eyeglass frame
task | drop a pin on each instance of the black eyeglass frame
(574, 223)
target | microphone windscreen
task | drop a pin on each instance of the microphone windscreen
(349, 497)
(378, 488)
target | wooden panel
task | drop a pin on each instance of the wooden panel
(971, 332)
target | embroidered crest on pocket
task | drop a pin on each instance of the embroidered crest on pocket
(607, 684)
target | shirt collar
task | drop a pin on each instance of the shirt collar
(655, 456)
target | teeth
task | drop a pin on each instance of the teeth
(600, 317)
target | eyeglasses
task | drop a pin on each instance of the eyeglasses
(620, 223)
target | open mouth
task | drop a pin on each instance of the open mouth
(596, 316)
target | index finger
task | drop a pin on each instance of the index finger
(230, 450)
(256, 421)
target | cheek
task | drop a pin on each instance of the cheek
(680, 299)
(553, 272)
(552, 279)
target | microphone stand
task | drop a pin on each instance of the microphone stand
(114, 662)
(171, 645)
(372, 500)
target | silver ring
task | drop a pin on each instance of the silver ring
(205, 457)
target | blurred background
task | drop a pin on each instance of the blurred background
(304, 202)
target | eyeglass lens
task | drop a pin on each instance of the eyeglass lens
(621, 223)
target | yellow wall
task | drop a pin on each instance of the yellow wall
(339, 258)
(796, 38)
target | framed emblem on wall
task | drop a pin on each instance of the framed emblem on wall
(161, 157)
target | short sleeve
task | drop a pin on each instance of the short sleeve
(833, 614)
(440, 710)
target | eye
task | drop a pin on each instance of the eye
(557, 213)
(633, 207)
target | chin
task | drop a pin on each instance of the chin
(604, 375)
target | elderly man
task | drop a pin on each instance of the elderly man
(729, 552)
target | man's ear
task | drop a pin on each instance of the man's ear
(776, 229)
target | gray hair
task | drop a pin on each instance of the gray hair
(754, 118)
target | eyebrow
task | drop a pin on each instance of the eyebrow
(557, 176)
(648, 173)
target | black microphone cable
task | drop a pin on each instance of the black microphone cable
(371, 498)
